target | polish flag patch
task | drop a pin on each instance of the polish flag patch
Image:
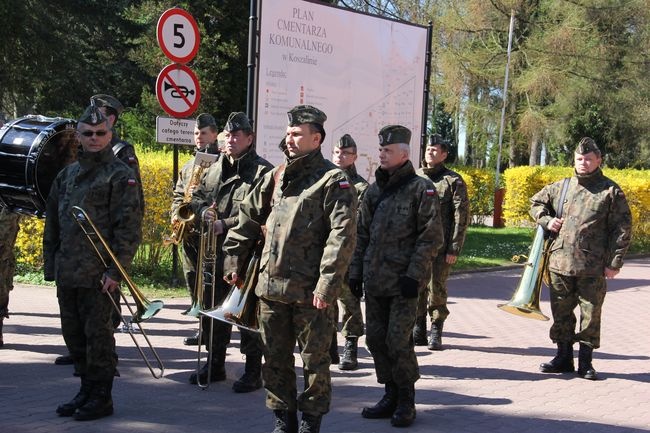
(431, 192)
(131, 182)
(344, 184)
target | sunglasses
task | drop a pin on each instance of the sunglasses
(91, 133)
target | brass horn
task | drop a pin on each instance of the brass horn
(240, 306)
(145, 308)
(525, 300)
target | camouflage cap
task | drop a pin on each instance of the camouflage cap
(587, 145)
(205, 119)
(394, 134)
(345, 142)
(92, 116)
(305, 114)
(109, 101)
(238, 122)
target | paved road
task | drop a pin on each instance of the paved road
(485, 380)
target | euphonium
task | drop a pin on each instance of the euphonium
(525, 300)
(145, 309)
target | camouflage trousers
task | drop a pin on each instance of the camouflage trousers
(568, 292)
(8, 232)
(433, 299)
(389, 336)
(352, 317)
(189, 255)
(282, 325)
(88, 331)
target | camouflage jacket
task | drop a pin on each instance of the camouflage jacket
(107, 190)
(360, 184)
(226, 183)
(125, 152)
(454, 206)
(310, 223)
(184, 177)
(9, 226)
(597, 224)
(399, 235)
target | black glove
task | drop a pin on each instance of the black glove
(356, 287)
(409, 287)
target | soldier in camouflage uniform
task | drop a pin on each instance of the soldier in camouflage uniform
(205, 140)
(454, 213)
(343, 156)
(588, 244)
(398, 235)
(108, 191)
(309, 210)
(8, 232)
(111, 108)
(223, 187)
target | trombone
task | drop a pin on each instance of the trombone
(145, 308)
(205, 274)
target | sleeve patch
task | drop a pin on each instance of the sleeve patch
(344, 184)
(431, 192)
(131, 182)
(131, 159)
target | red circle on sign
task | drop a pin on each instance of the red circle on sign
(172, 13)
(168, 89)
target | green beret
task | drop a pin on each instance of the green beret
(394, 134)
(109, 101)
(305, 114)
(587, 145)
(92, 116)
(238, 122)
(205, 119)
(345, 142)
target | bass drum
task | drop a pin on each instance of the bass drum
(33, 149)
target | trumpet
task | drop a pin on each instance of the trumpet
(145, 308)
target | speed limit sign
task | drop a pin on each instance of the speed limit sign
(178, 35)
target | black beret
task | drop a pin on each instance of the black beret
(92, 116)
(238, 122)
(345, 142)
(205, 119)
(102, 100)
(305, 114)
(436, 139)
(587, 145)
(394, 134)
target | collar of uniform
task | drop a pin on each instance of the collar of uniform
(431, 172)
(89, 159)
(385, 180)
(304, 163)
(591, 178)
(351, 171)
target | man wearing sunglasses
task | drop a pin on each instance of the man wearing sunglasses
(108, 192)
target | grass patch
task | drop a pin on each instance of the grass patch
(488, 246)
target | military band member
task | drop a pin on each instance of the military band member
(309, 210)
(588, 246)
(344, 156)
(223, 187)
(9, 226)
(205, 140)
(108, 191)
(454, 214)
(399, 232)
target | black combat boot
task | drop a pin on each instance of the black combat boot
(68, 409)
(218, 372)
(563, 361)
(252, 378)
(334, 349)
(349, 360)
(404, 415)
(285, 421)
(192, 340)
(420, 331)
(585, 369)
(386, 406)
(63, 360)
(99, 404)
(310, 423)
(435, 337)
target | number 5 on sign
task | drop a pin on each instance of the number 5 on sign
(178, 35)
